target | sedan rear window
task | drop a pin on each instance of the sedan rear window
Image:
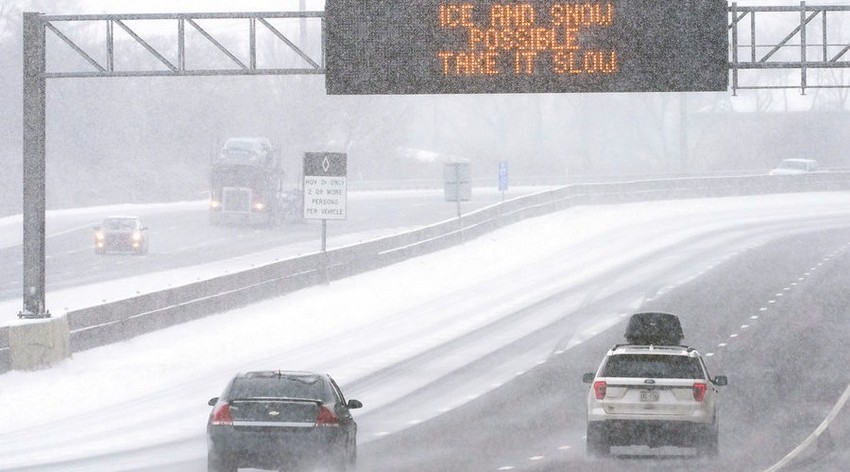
(313, 388)
(653, 366)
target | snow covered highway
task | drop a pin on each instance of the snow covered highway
(483, 343)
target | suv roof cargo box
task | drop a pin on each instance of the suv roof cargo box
(654, 328)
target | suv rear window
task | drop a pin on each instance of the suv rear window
(653, 366)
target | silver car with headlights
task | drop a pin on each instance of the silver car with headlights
(121, 234)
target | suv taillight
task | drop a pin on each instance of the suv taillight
(699, 391)
(326, 417)
(222, 416)
(600, 387)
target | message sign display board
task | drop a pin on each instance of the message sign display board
(532, 46)
(325, 185)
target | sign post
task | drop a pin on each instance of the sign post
(325, 188)
(503, 178)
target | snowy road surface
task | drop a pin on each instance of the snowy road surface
(141, 404)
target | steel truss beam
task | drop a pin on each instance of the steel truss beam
(186, 22)
(805, 55)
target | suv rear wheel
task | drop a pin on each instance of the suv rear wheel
(709, 447)
(597, 442)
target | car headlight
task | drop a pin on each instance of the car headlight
(98, 235)
(137, 235)
(259, 206)
(215, 204)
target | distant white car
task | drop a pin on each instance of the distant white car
(795, 166)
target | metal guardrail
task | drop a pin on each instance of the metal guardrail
(123, 319)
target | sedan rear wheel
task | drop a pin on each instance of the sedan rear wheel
(219, 464)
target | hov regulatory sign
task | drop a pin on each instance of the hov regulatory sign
(325, 185)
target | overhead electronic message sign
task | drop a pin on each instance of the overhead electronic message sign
(542, 46)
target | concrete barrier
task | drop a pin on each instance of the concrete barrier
(39, 344)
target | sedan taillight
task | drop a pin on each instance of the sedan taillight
(326, 417)
(699, 391)
(600, 387)
(222, 416)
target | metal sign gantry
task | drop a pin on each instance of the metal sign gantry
(36, 28)
(811, 26)
(799, 38)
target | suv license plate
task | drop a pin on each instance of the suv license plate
(649, 396)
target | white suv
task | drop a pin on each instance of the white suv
(654, 396)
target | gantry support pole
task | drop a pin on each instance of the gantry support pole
(34, 153)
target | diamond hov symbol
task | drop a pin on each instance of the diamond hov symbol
(325, 164)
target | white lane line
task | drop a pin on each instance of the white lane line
(764, 308)
(815, 435)
(565, 447)
(721, 345)
(754, 317)
(506, 467)
(745, 326)
(535, 458)
(733, 335)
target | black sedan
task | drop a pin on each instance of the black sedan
(281, 420)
